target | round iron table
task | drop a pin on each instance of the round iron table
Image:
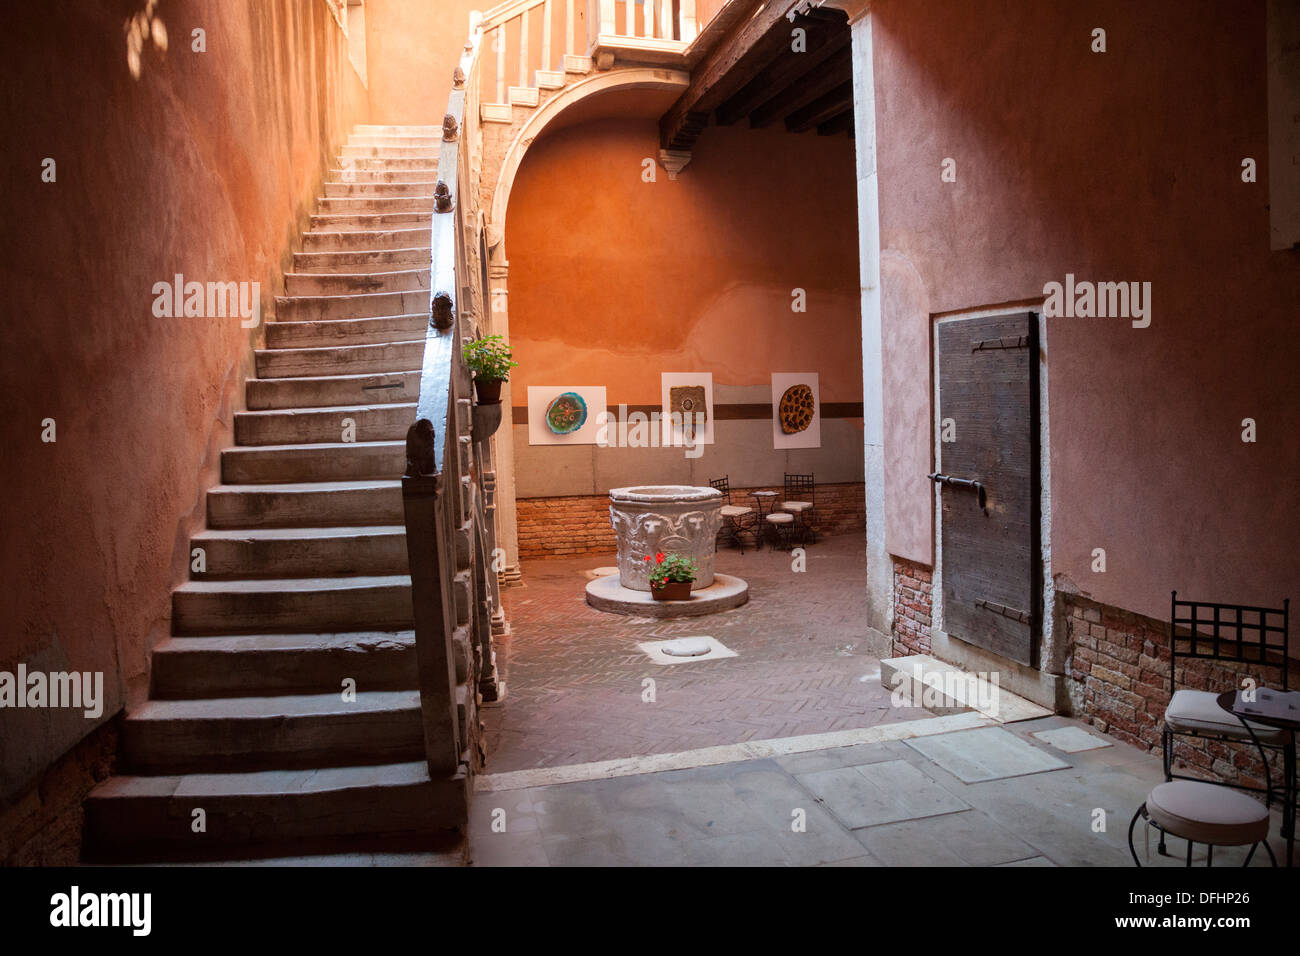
(1230, 701)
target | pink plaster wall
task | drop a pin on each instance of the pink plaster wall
(614, 280)
(208, 165)
(1116, 166)
(411, 50)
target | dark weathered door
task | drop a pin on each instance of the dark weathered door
(988, 410)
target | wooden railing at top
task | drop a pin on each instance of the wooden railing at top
(508, 28)
(448, 485)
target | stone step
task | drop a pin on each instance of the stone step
(298, 426)
(282, 732)
(301, 552)
(374, 205)
(388, 164)
(187, 668)
(144, 817)
(367, 305)
(362, 222)
(394, 139)
(293, 605)
(389, 189)
(356, 283)
(299, 505)
(388, 328)
(942, 688)
(371, 260)
(327, 391)
(425, 153)
(390, 129)
(361, 241)
(323, 461)
(406, 176)
(381, 356)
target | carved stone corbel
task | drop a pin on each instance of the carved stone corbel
(674, 161)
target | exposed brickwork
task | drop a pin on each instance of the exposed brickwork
(912, 607)
(553, 527)
(43, 825)
(1120, 661)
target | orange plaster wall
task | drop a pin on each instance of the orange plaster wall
(1117, 166)
(208, 165)
(614, 280)
(412, 48)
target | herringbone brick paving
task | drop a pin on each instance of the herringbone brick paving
(574, 674)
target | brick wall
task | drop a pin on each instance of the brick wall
(550, 527)
(1119, 662)
(43, 825)
(912, 607)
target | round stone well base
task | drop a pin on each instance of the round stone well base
(607, 594)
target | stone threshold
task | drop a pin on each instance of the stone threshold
(726, 753)
(942, 688)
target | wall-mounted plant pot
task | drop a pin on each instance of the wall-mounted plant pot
(485, 420)
(489, 393)
(672, 591)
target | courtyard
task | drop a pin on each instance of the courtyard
(574, 675)
(790, 753)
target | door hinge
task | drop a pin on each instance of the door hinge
(1006, 342)
(1014, 614)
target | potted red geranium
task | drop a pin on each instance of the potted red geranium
(671, 576)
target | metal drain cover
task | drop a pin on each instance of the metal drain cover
(686, 647)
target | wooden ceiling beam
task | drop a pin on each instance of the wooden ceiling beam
(736, 59)
(821, 109)
(824, 40)
(833, 72)
(842, 123)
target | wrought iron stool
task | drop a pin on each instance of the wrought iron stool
(782, 522)
(1201, 812)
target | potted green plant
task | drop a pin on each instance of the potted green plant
(489, 359)
(671, 576)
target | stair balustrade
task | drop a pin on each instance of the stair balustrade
(536, 42)
(448, 486)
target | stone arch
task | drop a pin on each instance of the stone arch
(593, 85)
(498, 265)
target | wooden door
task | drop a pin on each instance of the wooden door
(988, 407)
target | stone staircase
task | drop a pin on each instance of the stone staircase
(304, 582)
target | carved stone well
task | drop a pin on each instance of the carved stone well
(651, 518)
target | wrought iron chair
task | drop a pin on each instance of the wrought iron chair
(1235, 633)
(1222, 632)
(737, 520)
(800, 500)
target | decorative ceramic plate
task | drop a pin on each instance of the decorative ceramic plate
(566, 413)
(796, 409)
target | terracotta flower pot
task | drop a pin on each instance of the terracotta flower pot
(672, 591)
(489, 393)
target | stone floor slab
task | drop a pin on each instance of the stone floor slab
(1070, 739)
(879, 793)
(969, 838)
(990, 753)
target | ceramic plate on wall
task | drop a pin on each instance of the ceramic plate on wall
(566, 413)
